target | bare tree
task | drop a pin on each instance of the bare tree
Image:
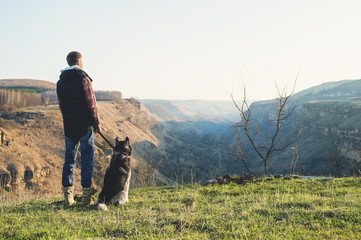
(147, 171)
(247, 128)
(236, 150)
(294, 159)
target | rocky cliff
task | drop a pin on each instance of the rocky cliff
(324, 131)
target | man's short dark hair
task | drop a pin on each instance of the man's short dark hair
(73, 58)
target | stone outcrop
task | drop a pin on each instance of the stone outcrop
(338, 121)
(17, 179)
(4, 141)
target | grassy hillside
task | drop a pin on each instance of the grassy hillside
(279, 209)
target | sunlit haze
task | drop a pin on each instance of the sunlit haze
(184, 49)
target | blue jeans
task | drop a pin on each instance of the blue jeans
(87, 160)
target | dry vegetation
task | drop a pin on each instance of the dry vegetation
(32, 146)
(26, 83)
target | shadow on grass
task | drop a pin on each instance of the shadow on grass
(44, 206)
(34, 235)
(295, 205)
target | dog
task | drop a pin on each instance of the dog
(117, 176)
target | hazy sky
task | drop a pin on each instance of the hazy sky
(184, 49)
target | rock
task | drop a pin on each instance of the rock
(4, 141)
(14, 173)
(28, 174)
(212, 181)
(5, 178)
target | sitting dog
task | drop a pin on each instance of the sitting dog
(117, 176)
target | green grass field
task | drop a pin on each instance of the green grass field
(279, 209)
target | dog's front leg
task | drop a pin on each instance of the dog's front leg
(123, 198)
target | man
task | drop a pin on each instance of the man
(80, 117)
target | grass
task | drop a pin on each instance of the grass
(279, 209)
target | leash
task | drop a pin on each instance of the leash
(106, 139)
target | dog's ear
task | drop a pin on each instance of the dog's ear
(127, 139)
(116, 140)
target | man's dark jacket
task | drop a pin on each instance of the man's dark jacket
(76, 115)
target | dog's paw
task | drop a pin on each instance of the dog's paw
(102, 207)
(121, 201)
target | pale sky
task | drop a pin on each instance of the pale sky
(184, 49)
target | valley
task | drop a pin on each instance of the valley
(32, 148)
(177, 142)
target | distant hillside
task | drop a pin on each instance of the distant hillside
(17, 93)
(191, 110)
(324, 128)
(27, 83)
(160, 112)
(200, 117)
(323, 87)
(165, 109)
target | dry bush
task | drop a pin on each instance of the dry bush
(145, 174)
(11, 98)
(108, 95)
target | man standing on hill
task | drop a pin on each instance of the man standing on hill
(80, 117)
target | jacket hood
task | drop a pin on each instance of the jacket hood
(70, 68)
(73, 72)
